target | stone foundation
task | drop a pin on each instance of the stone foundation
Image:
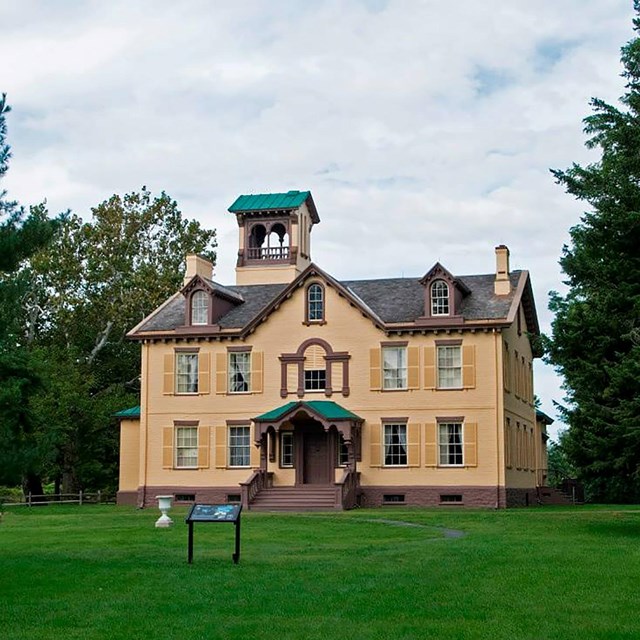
(208, 495)
(521, 497)
(421, 496)
(129, 498)
(412, 496)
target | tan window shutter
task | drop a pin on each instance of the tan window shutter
(470, 444)
(375, 449)
(413, 445)
(292, 377)
(254, 456)
(375, 375)
(203, 447)
(469, 366)
(314, 358)
(167, 447)
(221, 447)
(169, 374)
(221, 372)
(429, 367)
(204, 373)
(430, 445)
(413, 368)
(257, 360)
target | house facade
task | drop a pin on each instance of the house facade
(292, 389)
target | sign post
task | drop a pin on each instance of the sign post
(214, 513)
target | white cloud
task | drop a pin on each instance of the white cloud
(425, 130)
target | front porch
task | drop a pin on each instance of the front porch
(308, 458)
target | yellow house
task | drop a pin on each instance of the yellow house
(292, 390)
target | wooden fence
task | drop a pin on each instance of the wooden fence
(32, 499)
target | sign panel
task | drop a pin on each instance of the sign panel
(214, 513)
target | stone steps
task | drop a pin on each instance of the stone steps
(306, 498)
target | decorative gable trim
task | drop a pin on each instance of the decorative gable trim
(311, 271)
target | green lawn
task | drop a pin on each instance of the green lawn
(105, 572)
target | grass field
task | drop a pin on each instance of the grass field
(105, 572)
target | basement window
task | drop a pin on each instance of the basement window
(185, 497)
(451, 498)
(393, 498)
(233, 497)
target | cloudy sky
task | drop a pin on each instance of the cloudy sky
(424, 129)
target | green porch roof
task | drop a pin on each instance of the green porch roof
(131, 413)
(324, 408)
(269, 201)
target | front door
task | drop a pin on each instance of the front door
(315, 455)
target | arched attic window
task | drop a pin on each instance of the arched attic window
(439, 298)
(200, 307)
(315, 303)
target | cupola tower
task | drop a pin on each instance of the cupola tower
(274, 236)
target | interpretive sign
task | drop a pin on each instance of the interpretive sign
(214, 513)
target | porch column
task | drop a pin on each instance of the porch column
(263, 452)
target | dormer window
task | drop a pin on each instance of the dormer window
(315, 303)
(439, 298)
(200, 307)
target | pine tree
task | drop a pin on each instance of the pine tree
(595, 341)
(20, 236)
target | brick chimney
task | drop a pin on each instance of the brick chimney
(198, 266)
(502, 284)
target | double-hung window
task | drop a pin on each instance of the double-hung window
(439, 298)
(239, 446)
(395, 445)
(186, 447)
(200, 308)
(394, 367)
(286, 448)
(450, 367)
(343, 452)
(239, 372)
(315, 303)
(186, 373)
(450, 444)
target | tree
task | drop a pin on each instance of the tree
(87, 289)
(595, 341)
(20, 236)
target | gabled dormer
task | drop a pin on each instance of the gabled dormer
(205, 301)
(443, 295)
(274, 236)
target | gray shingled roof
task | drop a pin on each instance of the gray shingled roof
(393, 300)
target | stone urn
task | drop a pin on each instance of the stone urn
(164, 504)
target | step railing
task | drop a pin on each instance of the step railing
(347, 489)
(251, 487)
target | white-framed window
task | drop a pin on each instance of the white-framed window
(439, 298)
(200, 307)
(186, 373)
(186, 447)
(449, 367)
(451, 450)
(239, 446)
(286, 448)
(343, 452)
(394, 367)
(315, 380)
(315, 303)
(395, 445)
(239, 372)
